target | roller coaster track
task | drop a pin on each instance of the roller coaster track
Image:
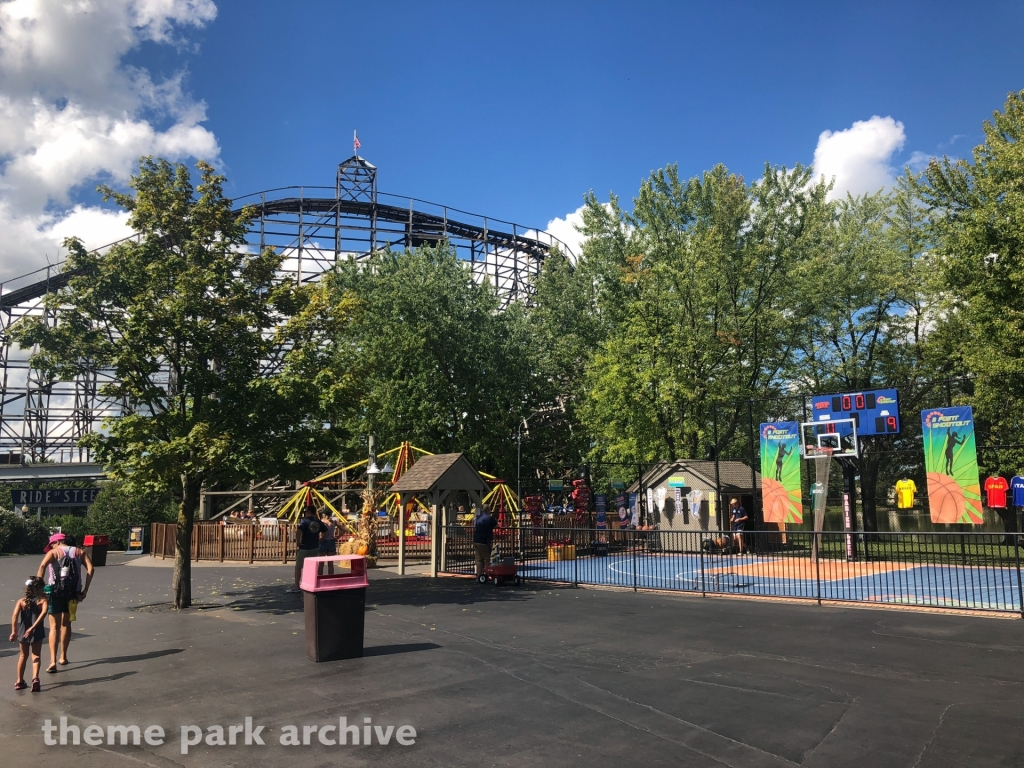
(313, 228)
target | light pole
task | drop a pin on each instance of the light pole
(519, 460)
(519, 448)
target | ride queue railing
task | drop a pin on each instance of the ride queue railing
(951, 570)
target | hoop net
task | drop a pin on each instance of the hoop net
(819, 493)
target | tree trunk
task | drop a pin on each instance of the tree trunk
(869, 491)
(182, 584)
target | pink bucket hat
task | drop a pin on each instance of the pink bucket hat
(55, 539)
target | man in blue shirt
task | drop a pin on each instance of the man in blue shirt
(309, 540)
(483, 538)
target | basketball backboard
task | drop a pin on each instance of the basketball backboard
(837, 437)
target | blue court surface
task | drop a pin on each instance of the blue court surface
(954, 586)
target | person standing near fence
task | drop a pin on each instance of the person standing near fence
(739, 522)
(328, 538)
(483, 538)
(309, 541)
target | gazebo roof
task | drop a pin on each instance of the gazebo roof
(441, 472)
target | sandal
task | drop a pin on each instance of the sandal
(52, 668)
(20, 685)
(36, 687)
(64, 662)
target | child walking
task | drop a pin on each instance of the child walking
(27, 627)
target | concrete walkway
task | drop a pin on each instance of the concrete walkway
(520, 677)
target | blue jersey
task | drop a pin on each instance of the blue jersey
(1017, 487)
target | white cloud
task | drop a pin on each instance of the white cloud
(71, 112)
(860, 157)
(919, 161)
(565, 230)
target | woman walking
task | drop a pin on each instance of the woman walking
(63, 568)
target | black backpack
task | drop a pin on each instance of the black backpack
(65, 577)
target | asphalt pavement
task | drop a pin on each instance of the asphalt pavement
(515, 676)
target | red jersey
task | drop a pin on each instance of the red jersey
(996, 488)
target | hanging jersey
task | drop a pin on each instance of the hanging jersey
(996, 488)
(905, 490)
(1017, 486)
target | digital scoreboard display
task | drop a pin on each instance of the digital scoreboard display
(875, 412)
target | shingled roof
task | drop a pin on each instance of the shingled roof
(734, 475)
(443, 471)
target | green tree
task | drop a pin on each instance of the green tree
(869, 306)
(434, 360)
(976, 210)
(215, 359)
(117, 507)
(566, 326)
(701, 307)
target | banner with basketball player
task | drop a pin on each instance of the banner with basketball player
(951, 463)
(781, 494)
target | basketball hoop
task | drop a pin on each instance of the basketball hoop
(836, 438)
(822, 457)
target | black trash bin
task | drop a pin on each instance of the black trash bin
(334, 606)
(96, 548)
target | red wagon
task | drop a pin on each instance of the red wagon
(501, 572)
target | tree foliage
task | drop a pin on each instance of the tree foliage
(700, 308)
(711, 302)
(976, 210)
(188, 296)
(432, 359)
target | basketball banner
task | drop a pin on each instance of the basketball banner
(951, 461)
(781, 495)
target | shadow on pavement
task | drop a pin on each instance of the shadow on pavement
(389, 590)
(127, 659)
(88, 681)
(450, 591)
(387, 650)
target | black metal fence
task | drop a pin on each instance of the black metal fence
(961, 571)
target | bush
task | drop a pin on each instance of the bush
(70, 525)
(25, 537)
(116, 508)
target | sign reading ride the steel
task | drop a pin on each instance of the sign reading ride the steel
(54, 497)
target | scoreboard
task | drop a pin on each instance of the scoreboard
(875, 412)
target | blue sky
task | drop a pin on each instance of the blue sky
(513, 110)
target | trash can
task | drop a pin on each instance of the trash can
(96, 548)
(334, 606)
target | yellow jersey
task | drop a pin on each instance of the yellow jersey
(905, 490)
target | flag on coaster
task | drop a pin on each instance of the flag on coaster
(356, 143)
(951, 461)
(781, 495)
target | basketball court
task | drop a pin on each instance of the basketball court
(970, 588)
